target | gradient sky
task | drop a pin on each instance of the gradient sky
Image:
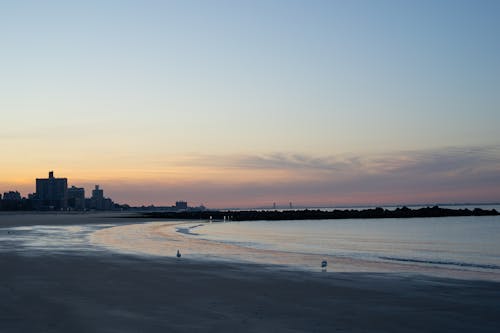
(246, 103)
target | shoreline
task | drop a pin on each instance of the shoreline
(272, 215)
(163, 242)
(318, 214)
(163, 239)
(108, 291)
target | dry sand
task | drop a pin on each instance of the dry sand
(111, 292)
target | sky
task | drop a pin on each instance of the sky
(246, 103)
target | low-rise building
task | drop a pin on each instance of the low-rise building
(12, 196)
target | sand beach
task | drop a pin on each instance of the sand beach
(110, 291)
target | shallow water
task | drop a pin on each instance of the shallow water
(464, 242)
(40, 239)
(464, 247)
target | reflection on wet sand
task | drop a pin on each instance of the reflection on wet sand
(165, 238)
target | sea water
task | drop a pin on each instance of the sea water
(447, 246)
(471, 242)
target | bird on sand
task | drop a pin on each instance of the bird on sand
(178, 254)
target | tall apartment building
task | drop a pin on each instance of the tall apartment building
(98, 202)
(97, 199)
(52, 192)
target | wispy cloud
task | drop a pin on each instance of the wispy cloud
(447, 174)
(273, 161)
(456, 174)
(444, 160)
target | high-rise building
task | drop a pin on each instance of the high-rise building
(76, 198)
(52, 192)
(97, 198)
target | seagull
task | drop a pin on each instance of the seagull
(178, 254)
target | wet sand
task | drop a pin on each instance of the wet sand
(111, 292)
(164, 239)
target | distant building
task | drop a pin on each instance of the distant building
(98, 201)
(181, 205)
(12, 201)
(76, 198)
(108, 204)
(52, 192)
(12, 196)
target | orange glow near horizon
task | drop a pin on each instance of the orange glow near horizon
(237, 187)
(259, 180)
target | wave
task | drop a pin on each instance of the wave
(187, 231)
(442, 262)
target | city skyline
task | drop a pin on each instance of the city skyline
(242, 104)
(53, 193)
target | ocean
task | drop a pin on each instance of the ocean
(464, 247)
(466, 243)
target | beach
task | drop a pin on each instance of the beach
(111, 291)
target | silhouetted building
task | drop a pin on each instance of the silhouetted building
(98, 201)
(181, 205)
(52, 193)
(12, 196)
(108, 204)
(76, 198)
(12, 201)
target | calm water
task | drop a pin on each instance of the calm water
(43, 239)
(440, 246)
(470, 243)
